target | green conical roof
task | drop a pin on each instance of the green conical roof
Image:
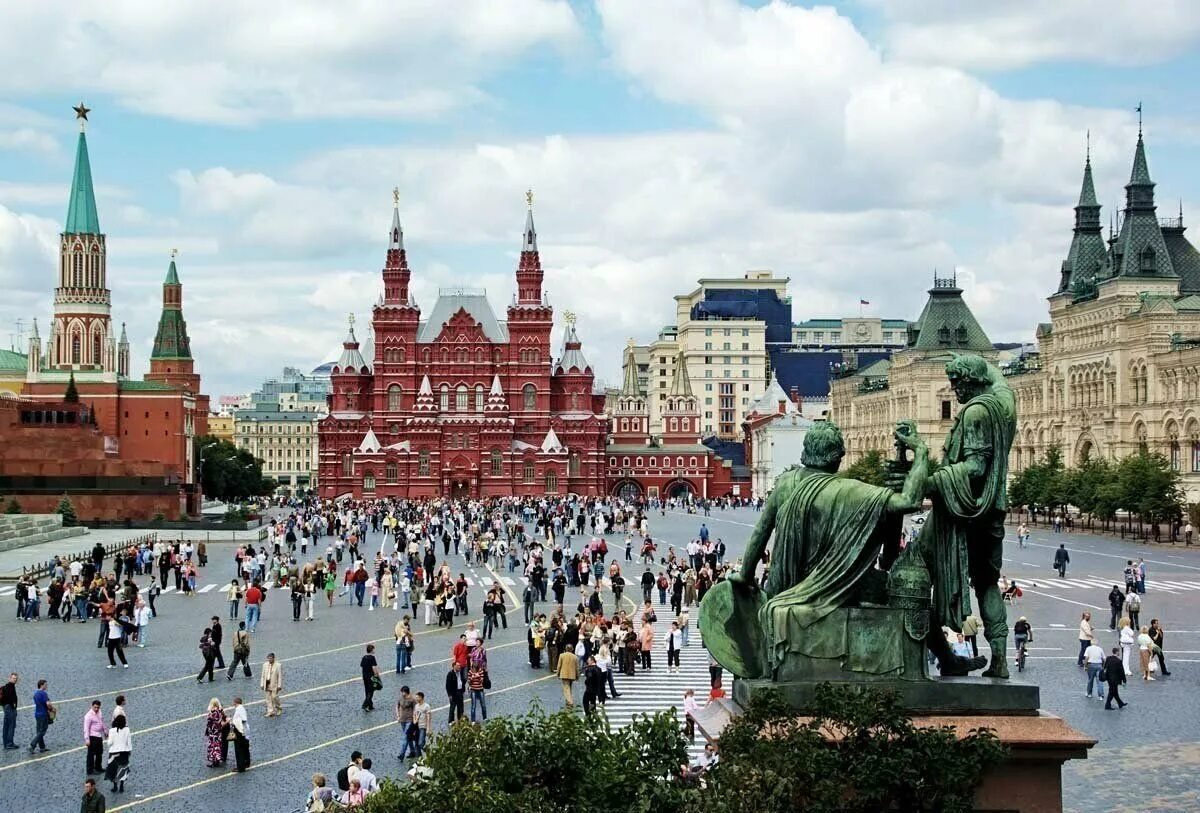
(82, 217)
(947, 323)
(172, 275)
(1087, 194)
(171, 340)
(1140, 176)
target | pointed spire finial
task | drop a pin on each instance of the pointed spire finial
(1139, 112)
(569, 317)
(1088, 148)
(352, 321)
(529, 199)
(174, 253)
(81, 113)
(395, 197)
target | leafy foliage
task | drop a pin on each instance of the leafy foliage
(543, 763)
(67, 510)
(862, 754)
(229, 473)
(1143, 484)
(13, 507)
(870, 468)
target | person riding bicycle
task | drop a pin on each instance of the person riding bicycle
(1022, 634)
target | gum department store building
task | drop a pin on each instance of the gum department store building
(1116, 369)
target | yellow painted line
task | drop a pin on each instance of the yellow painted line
(90, 697)
(285, 757)
(181, 721)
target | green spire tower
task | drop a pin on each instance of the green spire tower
(171, 340)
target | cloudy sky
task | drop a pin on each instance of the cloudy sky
(853, 148)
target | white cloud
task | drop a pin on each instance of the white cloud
(1017, 33)
(235, 63)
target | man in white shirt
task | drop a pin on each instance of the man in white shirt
(1094, 658)
(367, 780)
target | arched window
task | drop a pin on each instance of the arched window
(461, 355)
(1146, 261)
(400, 354)
(461, 400)
(1176, 458)
(497, 463)
(369, 481)
(479, 356)
(445, 398)
(692, 462)
(426, 355)
(77, 270)
(529, 393)
(445, 354)
(347, 464)
(527, 472)
(393, 402)
(551, 482)
(1195, 455)
(624, 424)
(423, 463)
(573, 465)
(674, 425)
(653, 462)
(76, 347)
(392, 472)
(637, 462)
(479, 397)
(97, 357)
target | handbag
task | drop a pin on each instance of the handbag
(487, 680)
(376, 683)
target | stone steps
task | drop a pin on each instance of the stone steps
(23, 530)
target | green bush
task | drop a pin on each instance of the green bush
(159, 517)
(13, 507)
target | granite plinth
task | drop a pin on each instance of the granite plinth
(943, 696)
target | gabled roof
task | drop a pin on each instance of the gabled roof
(474, 303)
(551, 444)
(370, 443)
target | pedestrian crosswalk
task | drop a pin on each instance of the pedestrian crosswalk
(659, 690)
(510, 581)
(1092, 582)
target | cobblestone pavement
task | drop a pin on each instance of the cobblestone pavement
(322, 722)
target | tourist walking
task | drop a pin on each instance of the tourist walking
(568, 673)
(209, 653)
(372, 681)
(234, 594)
(478, 682)
(1094, 659)
(1114, 676)
(1061, 560)
(115, 643)
(456, 689)
(405, 704)
(44, 713)
(239, 731)
(216, 733)
(254, 599)
(241, 651)
(1127, 639)
(218, 635)
(1087, 635)
(1146, 647)
(270, 680)
(1156, 635)
(120, 748)
(422, 720)
(674, 644)
(94, 734)
(8, 699)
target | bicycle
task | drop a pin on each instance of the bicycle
(1021, 653)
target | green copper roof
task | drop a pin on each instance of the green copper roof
(149, 386)
(82, 217)
(947, 323)
(1140, 176)
(1087, 194)
(172, 276)
(12, 361)
(171, 341)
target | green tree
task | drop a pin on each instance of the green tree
(545, 763)
(229, 473)
(13, 507)
(870, 468)
(71, 396)
(67, 510)
(1149, 487)
(876, 759)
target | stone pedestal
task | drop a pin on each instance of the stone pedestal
(943, 696)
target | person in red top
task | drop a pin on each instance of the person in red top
(459, 651)
(717, 692)
(253, 598)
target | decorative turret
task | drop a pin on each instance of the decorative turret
(425, 401)
(33, 362)
(631, 416)
(1086, 257)
(529, 271)
(395, 271)
(82, 335)
(680, 416)
(572, 359)
(947, 323)
(351, 361)
(123, 354)
(171, 341)
(350, 378)
(1140, 250)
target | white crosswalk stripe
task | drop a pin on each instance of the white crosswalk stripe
(206, 588)
(658, 690)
